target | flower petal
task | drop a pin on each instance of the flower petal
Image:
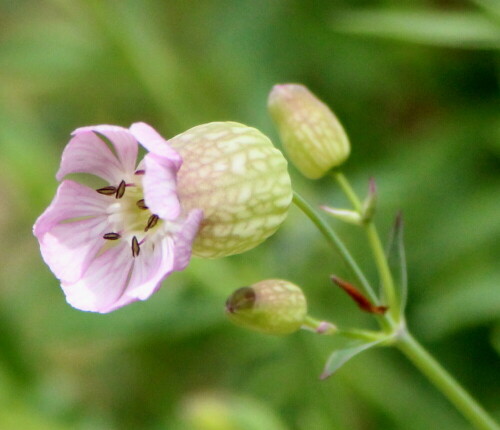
(151, 267)
(72, 200)
(185, 237)
(155, 143)
(123, 141)
(87, 152)
(158, 260)
(68, 247)
(160, 187)
(104, 282)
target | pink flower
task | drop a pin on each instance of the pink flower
(114, 245)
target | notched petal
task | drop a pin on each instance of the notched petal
(160, 187)
(185, 237)
(87, 153)
(155, 143)
(122, 141)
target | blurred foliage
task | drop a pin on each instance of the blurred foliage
(416, 86)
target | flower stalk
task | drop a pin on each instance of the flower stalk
(314, 139)
(335, 241)
(455, 393)
(393, 323)
(376, 247)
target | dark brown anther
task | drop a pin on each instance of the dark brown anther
(112, 236)
(360, 299)
(141, 204)
(136, 249)
(153, 219)
(120, 191)
(139, 172)
(107, 191)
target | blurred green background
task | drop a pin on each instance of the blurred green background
(415, 84)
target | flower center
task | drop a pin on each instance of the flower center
(128, 216)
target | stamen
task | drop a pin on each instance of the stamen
(112, 236)
(107, 191)
(141, 204)
(139, 172)
(153, 219)
(135, 247)
(120, 191)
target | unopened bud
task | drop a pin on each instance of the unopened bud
(240, 181)
(272, 306)
(311, 134)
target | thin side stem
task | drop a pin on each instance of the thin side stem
(383, 269)
(455, 393)
(375, 245)
(405, 342)
(347, 189)
(336, 243)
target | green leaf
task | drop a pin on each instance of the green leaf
(396, 258)
(467, 29)
(342, 355)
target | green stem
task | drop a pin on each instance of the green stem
(319, 326)
(383, 269)
(405, 341)
(376, 247)
(455, 393)
(336, 243)
(347, 189)
(327, 328)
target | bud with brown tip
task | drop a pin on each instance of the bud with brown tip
(273, 306)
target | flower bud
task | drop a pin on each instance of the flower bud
(273, 306)
(240, 181)
(311, 134)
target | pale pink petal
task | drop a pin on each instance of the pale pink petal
(68, 249)
(160, 187)
(68, 246)
(184, 239)
(150, 268)
(87, 153)
(104, 282)
(156, 261)
(72, 200)
(124, 143)
(155, 143)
